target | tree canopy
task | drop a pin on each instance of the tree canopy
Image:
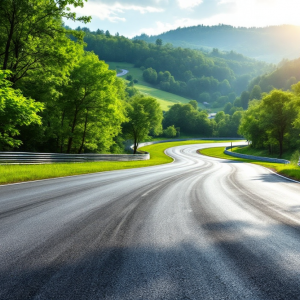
(144, 116)
(15, 111)
(272, 121)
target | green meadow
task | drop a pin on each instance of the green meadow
(164, 98)
(20, 173)
(289, 170)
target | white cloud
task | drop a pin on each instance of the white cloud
(113, 12)
(188, 4)
(258, 13)
(226, 1)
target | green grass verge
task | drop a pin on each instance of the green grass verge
(261, 152)
(165, 99)
(290, 170)
(20, 173)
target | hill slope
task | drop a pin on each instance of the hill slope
(165, 99)
(214, 78)
(270, 44)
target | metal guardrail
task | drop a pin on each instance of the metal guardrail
(259, 158)
(43, 158)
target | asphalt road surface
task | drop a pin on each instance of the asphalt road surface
(198, 228)
(124, 72)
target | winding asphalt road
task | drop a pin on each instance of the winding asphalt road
(124, 72)
(198, 228)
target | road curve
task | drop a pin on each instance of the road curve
(124, 72)
(198, 228)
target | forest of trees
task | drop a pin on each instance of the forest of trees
(286, 74)
(191, 73)
(56, 96)
(274, 121)
(269, 44)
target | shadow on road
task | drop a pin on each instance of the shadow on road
(180, 272)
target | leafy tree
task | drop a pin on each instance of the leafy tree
(272, 120)
(145, 115)
(90, 110)
(194, 103)
(250, 126)
(231, 97)
(32, 38)
(227, 126)
(237, 102)
(189, 119)
(150, 75)
(227, 107)
(277, 116)
(204, 97)
(16, 111)
(245, 96)
(255, 93)
(170, 132)
(158, 42)
(129, 77)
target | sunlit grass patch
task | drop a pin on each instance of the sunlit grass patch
(19, 173)
(288, 170)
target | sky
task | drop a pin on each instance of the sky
(134, 17)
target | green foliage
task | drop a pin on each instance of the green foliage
(266, 44)
(144, 116)
(255, 93)
(16, 111)
(227, 125)
(170, 132)
(158, 42)
(194, 103)
(295, 158)
(90, 111)
(227, 107)
(272, 121)
(245, 97)
(289, 170)
(150, 75)
(287, 74)
(189, 120)
(20, 173)
(32, 38)
(181, 71)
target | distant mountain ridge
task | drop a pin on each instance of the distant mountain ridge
(270, 44)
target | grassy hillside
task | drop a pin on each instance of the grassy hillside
(164, 98)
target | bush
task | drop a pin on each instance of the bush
(295, 157)
(170, 132)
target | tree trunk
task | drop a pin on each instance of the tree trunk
(70, 142)
(84, 133)
(280, 148)
(8, 42)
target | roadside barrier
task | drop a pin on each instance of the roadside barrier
(47, 158)
(259, 158)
